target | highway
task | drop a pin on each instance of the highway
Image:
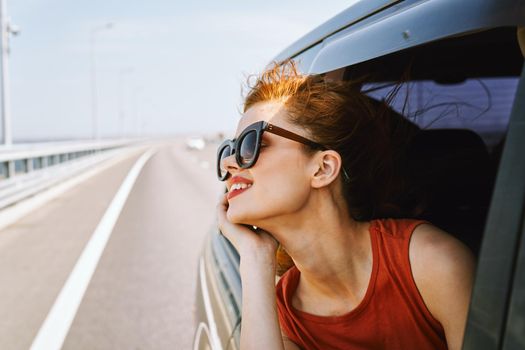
(141, 294)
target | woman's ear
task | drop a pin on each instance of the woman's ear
(327, 167)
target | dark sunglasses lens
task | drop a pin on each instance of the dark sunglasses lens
(225, 152)
(247, 147)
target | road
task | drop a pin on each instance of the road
(141, 295)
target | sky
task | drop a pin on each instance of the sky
(164, 67)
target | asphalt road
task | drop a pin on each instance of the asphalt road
(141, 295)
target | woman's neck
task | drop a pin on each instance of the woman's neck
(332, 251)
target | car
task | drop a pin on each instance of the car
(462, 62)
(195, 143)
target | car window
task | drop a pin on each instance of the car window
(453, 164)
(482, 105)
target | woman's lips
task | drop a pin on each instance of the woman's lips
(238, 184)
(233, 193)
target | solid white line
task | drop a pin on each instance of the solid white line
(54, 330)
(215, 342)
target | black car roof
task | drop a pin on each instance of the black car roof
(373, 28)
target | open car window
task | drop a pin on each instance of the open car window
(481, 104)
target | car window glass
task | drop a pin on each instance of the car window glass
(482, 105)
(454, 161)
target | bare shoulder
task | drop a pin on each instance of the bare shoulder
(435, 253)
(443, 270)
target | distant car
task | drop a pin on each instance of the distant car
(467, 93)
(195, 143)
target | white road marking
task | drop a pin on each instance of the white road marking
(54, 330)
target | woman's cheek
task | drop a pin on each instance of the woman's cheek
(283, 197)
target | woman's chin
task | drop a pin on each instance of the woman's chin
(234, 217)
(238, 216)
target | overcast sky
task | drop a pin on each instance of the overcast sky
(165, 67)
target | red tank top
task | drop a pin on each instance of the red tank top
(392, 315)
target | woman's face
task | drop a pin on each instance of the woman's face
(279, 182)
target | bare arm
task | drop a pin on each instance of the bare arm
(443, 270)
(260, 324)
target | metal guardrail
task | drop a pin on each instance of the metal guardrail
(24, 158)
(27, 169)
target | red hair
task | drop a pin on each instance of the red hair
(367, 134)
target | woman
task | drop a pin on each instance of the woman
(313, 168)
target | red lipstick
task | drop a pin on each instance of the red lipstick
(235, 186)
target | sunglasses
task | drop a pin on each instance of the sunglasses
(248, 145)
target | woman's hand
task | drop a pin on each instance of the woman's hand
(249, 242)
(257, 248)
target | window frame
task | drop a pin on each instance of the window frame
(496, 271)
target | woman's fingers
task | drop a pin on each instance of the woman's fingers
(267, 238)
(233, 232)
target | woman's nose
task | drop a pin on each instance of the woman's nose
(230, 164)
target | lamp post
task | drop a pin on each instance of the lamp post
(94, 97)
(5, 30)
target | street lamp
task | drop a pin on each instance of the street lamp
(6, 29)
(94, 103)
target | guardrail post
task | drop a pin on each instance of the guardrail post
(3, 171)
(10, 168)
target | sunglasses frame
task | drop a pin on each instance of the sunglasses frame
(259, 128)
